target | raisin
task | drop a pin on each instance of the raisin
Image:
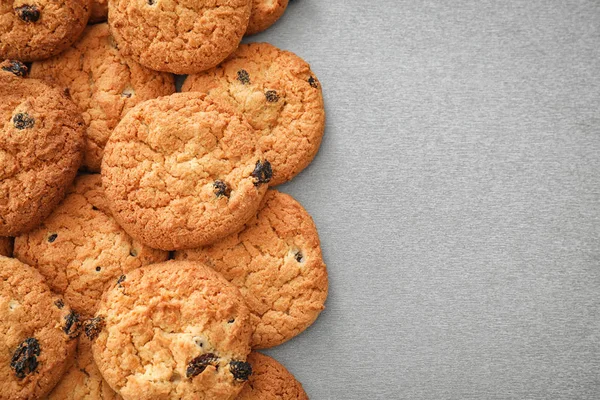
(272, 96)
(15, 67)
(67, 92)
(313, 82)
(243, 77)
(121, 279)
(23, 121)
(93, 327)
(221, 189)
(73, 325)
(28, 13)
(59, 303)
(199, 364)
(231, 321)
(24, 360)
(262, 172)
(240, 370)
(298, 256)
(98, 269)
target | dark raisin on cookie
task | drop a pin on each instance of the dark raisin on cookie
(221, 189)
(298, 256)
(28, 13)
(199, 364)
(93, 326)
(243, 77)
(272, 96)
(98, 269)
(24, 360)
(313, 82)
(262, 172)
(15, 67)
(67, 92)
(72, 326)
(59, 303)
(23, 121)
(52, 238)
(240, 370)
(121, 279)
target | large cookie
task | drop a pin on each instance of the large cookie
(80, 248)
(6, 246)
(37, 333)
(36, 29)
(182, 171)
(276, 262)
(264, 14)
(281, 98)
(179, 36)
(104, 85)
(41, 142)
(270, 381)
(176, 330)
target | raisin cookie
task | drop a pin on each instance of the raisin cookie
(79, 248)
(281, 98)
(264, 14)
(36, 29)
(182, 171)
(270, 381)
(104, 85)
(276, 262)
(38, 333)
(176, 330)
(178, 36)
(41, 142)
(6, 246)
(99, 11)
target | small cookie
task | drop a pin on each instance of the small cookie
(270, 381)
(176, 330)
(104, 85)
(264, 14)
(6, 246)
(36, 29)
(80, 248)
(99, 11)
(41, 142)
(182, 37)
(281, 98)
(276, 262)
(38, 333)
(182, 171)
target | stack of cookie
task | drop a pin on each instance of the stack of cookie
(151, 253)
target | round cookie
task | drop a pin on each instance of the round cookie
(38, 333)
(281, 98)
(264, 14)
(179, 36)
(41, 142)
(80, 248)
(99, 11)
(182, 171)
(6, 246)
(36, 29)
(270, 381)
(176, 330)
(104, 85)
(277, 264)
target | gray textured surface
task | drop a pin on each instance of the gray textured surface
(457, 193)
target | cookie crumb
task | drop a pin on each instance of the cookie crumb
(24, 360)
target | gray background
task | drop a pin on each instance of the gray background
(457, 198)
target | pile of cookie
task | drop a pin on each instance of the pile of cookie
(144, 251)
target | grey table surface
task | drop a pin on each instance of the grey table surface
(457, 196)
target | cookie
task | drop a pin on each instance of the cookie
(277, 264)
(182, 37)
(36, 29)
(6, 246)
(104, 85)
(83, 380)
(264, 14)
(99, 11)
(182, 171)
(176, 330)
(38, 333)
(270, 381)
(80, 248)
(281, 98)
(41, 142)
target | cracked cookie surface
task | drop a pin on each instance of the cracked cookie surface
(36, 29)
(80, 248)
(34, 348)
(179, 36)
(182, 171)
(281, 98)
(270, 381)
(6, 246)
(104, 85)
(41, 142)
(264, 14)
(175, 330)
(277, 264)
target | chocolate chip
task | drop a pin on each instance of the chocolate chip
(299, 257)
(52, 237)
(59, 303)
(121, 280)
(243, 77)
(313, 82)
(24, 360)
(240, 370)
(15, 67)
(221, 189)
(272, 96)
(23, 121)
(262, 172)
(93, 326)
(28, 13)
(73, 325)
(199, 364)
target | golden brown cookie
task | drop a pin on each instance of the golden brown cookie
(36, 29)
(99, 11)
(6, 246)
(38, 333)
(41, 142)
(281, 98)
(276, 262)
(182, 171)
(176, 330)
(182, 37)
(103, 84)
(264, 14)
(80, 248)
(270, 381)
